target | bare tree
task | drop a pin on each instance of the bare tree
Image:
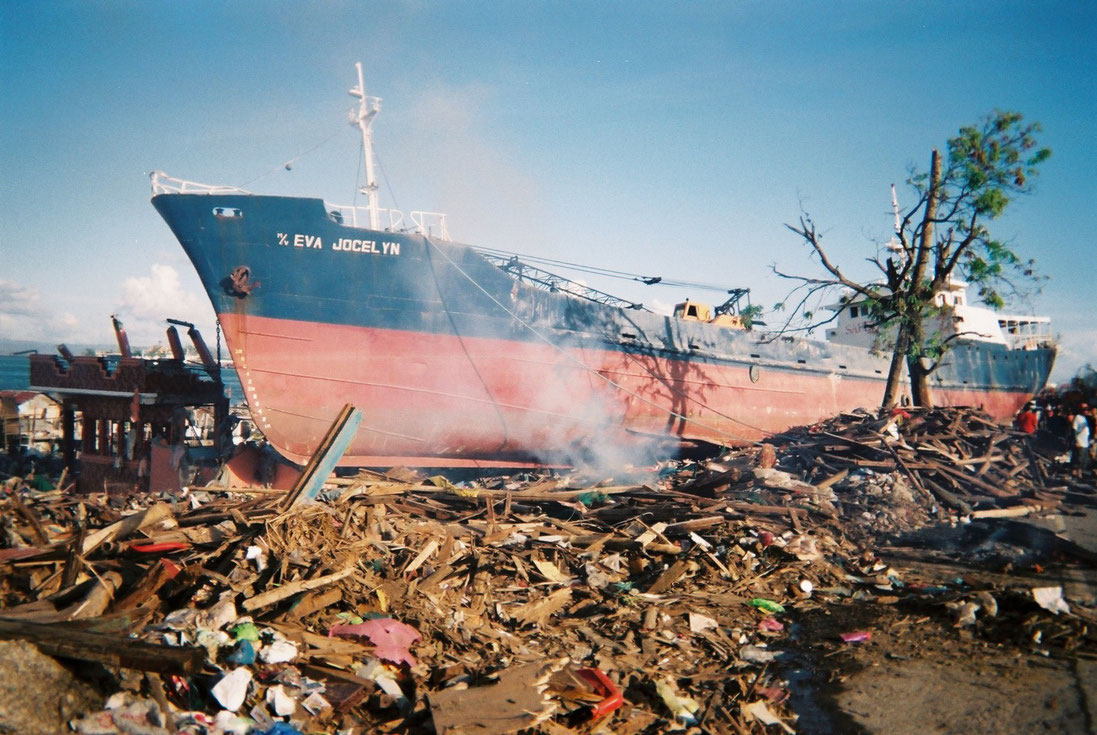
(942, 236)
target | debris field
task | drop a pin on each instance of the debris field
(676, 600)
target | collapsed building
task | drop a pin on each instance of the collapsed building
(126, 421)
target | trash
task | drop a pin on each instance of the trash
(245, 632)
(278, 652)
(770, 624)
(604, 687)
(682, 708)
(757, 655)
(495, 573)
(281, 728)
(280, 702)
(768, 605)
(700, 623)
(760, 712)
(391, 638)
(242, 654)
(1051, 599)
(987, 602)
(232, 689)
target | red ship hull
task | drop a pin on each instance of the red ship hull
(434, 399)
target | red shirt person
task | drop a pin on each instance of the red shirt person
(1026, 420)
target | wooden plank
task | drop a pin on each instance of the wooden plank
(326, 456)
(278, 594)
(111, 650)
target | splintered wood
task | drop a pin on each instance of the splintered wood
(666, 590)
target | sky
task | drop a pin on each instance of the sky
(669, 139)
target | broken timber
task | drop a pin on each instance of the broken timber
(324, 459)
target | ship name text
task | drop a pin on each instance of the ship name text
(347, 244)
(342, 244)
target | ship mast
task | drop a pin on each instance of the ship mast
(368, 107)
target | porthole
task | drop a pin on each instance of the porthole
(755, 373)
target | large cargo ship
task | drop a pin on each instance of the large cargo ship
(458, 357)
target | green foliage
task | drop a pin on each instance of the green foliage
(988, 164)
(750, 313)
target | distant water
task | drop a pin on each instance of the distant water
(14, 372)
(15, 375)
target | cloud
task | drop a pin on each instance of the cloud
(24, 316)
(148, 300)
(17, 300)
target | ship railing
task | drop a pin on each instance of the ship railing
(1025, 332)
(546, 281)
(164, 184)
(432, 224)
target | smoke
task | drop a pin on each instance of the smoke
(1077, 348)
(546, 392)
(473, 173)
(579, 419)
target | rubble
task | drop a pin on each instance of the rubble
(397, 603)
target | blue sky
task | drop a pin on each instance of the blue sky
(671, 139)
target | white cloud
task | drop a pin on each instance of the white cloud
(23, 316)
(148, 300)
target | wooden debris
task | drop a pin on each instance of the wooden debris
(509, 580)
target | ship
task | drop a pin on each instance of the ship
(459, 356)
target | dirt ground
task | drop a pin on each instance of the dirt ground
(924, 676)
(922, 672)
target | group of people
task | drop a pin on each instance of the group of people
(1074, 425)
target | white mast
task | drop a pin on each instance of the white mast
(368, 107)
(893, 244)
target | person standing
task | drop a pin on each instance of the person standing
(1080, 450)
(1026, 420)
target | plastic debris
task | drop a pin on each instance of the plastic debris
(278, 652)
(1051, 599)
(757, 654)
(281, 728)
(232, 689)
(965, 611)
(768, 605)
(682, 708)
(603, 686)
(760, 712)
(700, 623)
(245, 632)
(242, 654)
(376, 671)
(987, 602)
(771, 624)
(856, 636)
(391, 637)
(280, 702)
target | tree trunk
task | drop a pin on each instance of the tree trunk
(919, 376)
(913, 303)
(894, 387)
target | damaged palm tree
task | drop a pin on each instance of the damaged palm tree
(942, 240)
